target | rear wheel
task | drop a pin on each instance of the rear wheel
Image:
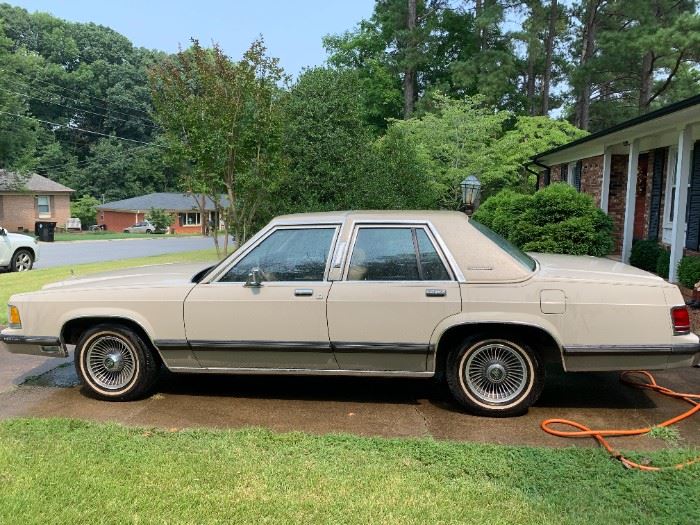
(494, 376)
(115, 363)
(22, 261)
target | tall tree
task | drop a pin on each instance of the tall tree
(409, 74)
(222, 116)
(549, 54)
(589, 13)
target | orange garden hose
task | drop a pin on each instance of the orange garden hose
(601, 435)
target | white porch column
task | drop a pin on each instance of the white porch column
(605, 189)
(685, 150)
(631, 196)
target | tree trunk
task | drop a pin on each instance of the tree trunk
(530, 78)
(549, 52)
(646, 81)
(583, 98)
(409, 78)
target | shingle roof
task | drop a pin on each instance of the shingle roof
(15, 182)
(162, 201)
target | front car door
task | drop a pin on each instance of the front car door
(396, 287)
(280, 324)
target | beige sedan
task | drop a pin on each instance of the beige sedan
(391, 294)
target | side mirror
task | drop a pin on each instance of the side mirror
(255, 278)
(3, 232)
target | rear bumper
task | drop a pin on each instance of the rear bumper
(630, 357)
(32, 345)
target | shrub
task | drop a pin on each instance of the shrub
(689, 271)
(161, 219)
(663, 264)
(556, 219)
(85, 209)
(645, 255)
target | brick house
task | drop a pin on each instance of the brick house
(191, 212)
(633, 171)
(25, 199)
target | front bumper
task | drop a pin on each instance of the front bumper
(32, 345)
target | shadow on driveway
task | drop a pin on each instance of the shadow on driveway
(370, 407)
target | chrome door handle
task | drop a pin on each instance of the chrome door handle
(435, 292)
(303, 292)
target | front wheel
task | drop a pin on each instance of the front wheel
(494, 377)
(22, 261)
(115, 363)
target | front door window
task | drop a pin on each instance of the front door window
(293, 254)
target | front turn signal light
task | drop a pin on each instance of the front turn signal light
(14, 319)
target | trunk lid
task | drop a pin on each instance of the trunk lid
(586, 268)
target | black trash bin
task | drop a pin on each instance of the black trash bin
(45, 230)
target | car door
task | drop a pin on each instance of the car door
(5, 250)
(396, 287)
(280, 324)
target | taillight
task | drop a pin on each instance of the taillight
(680, 319)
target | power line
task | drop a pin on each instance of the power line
(106, 103)
(74, 128)
(85, 162)
(74, 108)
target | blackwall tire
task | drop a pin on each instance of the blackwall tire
(115, 363)
(22, 261)
(494, 376)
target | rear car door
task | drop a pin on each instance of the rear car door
(396, 287)
(280, 324)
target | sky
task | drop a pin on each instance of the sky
(292, 29)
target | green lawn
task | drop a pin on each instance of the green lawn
(12, 283)
(64, 471)
(94, 236)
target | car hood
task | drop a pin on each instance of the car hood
(138, 277)
(19, 238)
(586, 268)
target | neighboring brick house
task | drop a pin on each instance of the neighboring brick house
(191, 213)
(626, 170)
(25, 199)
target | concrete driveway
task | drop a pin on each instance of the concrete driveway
(79, 252)
(376, 407)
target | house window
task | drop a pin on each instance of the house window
(570, 173)
(43, 206)
(192, 218)
(671, 181)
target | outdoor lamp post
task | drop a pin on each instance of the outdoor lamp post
(471, 190)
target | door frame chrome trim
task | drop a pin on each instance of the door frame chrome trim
(256, 240)
(443, 252)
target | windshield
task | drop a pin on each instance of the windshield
(512, 250)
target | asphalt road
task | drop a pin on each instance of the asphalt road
(369, 407)
(78, 252)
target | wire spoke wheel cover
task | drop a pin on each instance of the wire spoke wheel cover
(111, 362)
(496, 373)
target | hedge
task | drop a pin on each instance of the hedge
(689, 271)
(556, 219)
(645, 255)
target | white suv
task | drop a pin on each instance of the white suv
(17, 252)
